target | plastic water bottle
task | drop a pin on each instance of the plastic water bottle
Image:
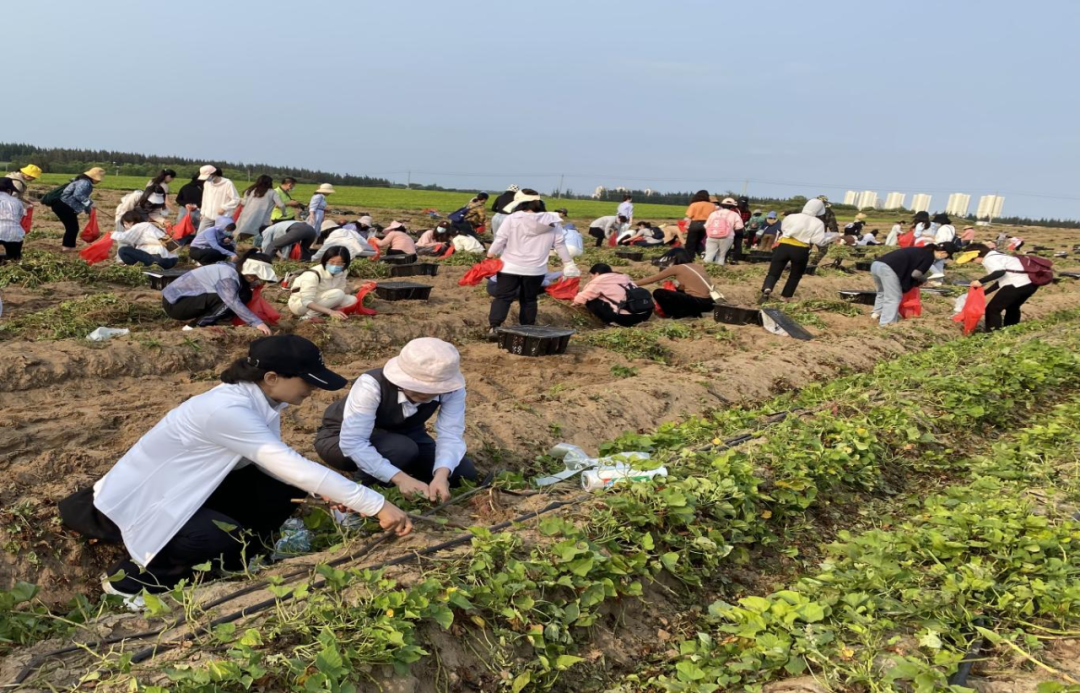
(606, 477)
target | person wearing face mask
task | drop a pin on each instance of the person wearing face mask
(379, 429)
(216, 293)
(215, 244)
(145, 240)
(321, 290)
(213, 481)
(219, 197)
(898, 272)
(432, 241)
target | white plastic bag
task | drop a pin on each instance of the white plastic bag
(103, 333)
(958, 307)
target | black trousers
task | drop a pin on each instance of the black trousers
(781, 256)
(250, 502)
(301, 233)
(679, 304)
(412, 451)
(201, 307)
(695, 237)
(206, 256)
(607, 314)
(598, 234)
(511, 287)
(70, 220)
(1007, 300)
(12, 250)
(737, 246)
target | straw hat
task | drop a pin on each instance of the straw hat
(728, 201)
(426, 365)
(324, 189)
(328, 225)
(95, 174)
(31, 171)
(860, 216)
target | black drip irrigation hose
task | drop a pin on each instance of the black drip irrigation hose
(974, 655)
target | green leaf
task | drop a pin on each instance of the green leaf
(688, 671)
(564, 662)
(930, 640)
(520, 682)
(442, 615)
(669, 560)
(23, 592)
(329, 662)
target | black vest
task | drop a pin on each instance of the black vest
(388, 417)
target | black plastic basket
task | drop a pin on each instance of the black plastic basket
(865, 298)
(161, 278)
(1070, 275)
(863, 265)
(402, 291)
(633, 255)
(736, 315)
(811, 269)
(533, 340)
(417, 269)
(399, 259)
(758, 256)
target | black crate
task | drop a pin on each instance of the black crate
(161, 278)
(758, 256)
(865, 298)
(939, 290)
(398, 259)
(736, 315)
(633, 255)
(533, 340)
(1070, 275)
(863, 266)
(417, 269)
(811, 269)
(402, 291)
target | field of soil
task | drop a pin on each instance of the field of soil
(71, 408)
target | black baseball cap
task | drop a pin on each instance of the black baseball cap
(293, 356)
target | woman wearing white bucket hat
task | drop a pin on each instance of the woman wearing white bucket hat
(317, 205)
(379, 431)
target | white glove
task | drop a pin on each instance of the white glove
(571, 270)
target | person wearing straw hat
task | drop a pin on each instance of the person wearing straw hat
(317, 206)
(379, 430)
(215, 293)
(72, 200)
(213, 481)
(24, 177)
(219, 196)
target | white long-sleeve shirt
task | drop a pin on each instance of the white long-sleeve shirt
(358, 422)
(143, 236)
(525, 240)
(11, 214)
(167, 476)
(218, 196)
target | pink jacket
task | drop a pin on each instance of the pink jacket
(609, 287)
(525, 240)
(398, 240)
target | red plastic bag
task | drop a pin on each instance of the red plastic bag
(260, 307)
(565, 289)
(974, 310)
(611, 240)
(28, 220)
(911, 304)
(98, 250)
(481, 271)
(294, 254)
(375, 247)
(669, 285)
(449, 251)
(185, 227)
(236, 214)
(682, 225)
(91, 232)
(906, 240)
(358, 307)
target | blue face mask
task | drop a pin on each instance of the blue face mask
(335, 269)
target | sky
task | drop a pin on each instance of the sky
(794, 97)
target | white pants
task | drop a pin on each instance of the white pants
(716, 249)
(334, 299)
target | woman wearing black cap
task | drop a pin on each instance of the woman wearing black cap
(214, 476)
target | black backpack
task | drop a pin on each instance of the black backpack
(53, 196)
(638, 301)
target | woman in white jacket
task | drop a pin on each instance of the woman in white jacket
(219, 196)
(798, 233)
(322, 290)
(144, 242)
(213, 481)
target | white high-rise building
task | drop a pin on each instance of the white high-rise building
(990, 206)
(920, 203)
(894, 200)
(868, 199)
(958, 204)
(851, 197)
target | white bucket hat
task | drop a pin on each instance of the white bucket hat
(328, 225)
(324, 189)
(260, 269)
(426, 365)
(206, 171)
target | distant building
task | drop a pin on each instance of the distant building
(894, 200)
(990, 206)
(920, 203)
(851, 197)
(868, 199)
(599, 192)
(958, 204)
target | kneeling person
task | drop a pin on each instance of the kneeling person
(614, 298)
(379, 431)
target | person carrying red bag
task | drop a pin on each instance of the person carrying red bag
(214, 294)
(70, 200)
(322, 289)
(11, 216)
(900, 271)
(1015, 283)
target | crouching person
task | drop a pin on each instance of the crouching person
(321, 290)
(217, 293)
(213, 481)
(378, 430)
(614, 298)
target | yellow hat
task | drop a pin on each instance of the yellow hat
(95, 174)
(964, 258)
(30, 171)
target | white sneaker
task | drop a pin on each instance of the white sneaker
(875, 316)
(133, 602)
(187, 328)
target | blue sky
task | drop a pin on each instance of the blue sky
(798, 97)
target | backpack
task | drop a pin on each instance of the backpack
(458, 216)
(718, 225)
(638, 301)
(1038, 269)
(53, 196)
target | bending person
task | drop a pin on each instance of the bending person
(213, 481)
(215, 293)
(614, 298)
(280, 237)
(214, 244)
(1014, 285)
(898, 272)
(798, 233)
(378, 430)
(695, 294)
